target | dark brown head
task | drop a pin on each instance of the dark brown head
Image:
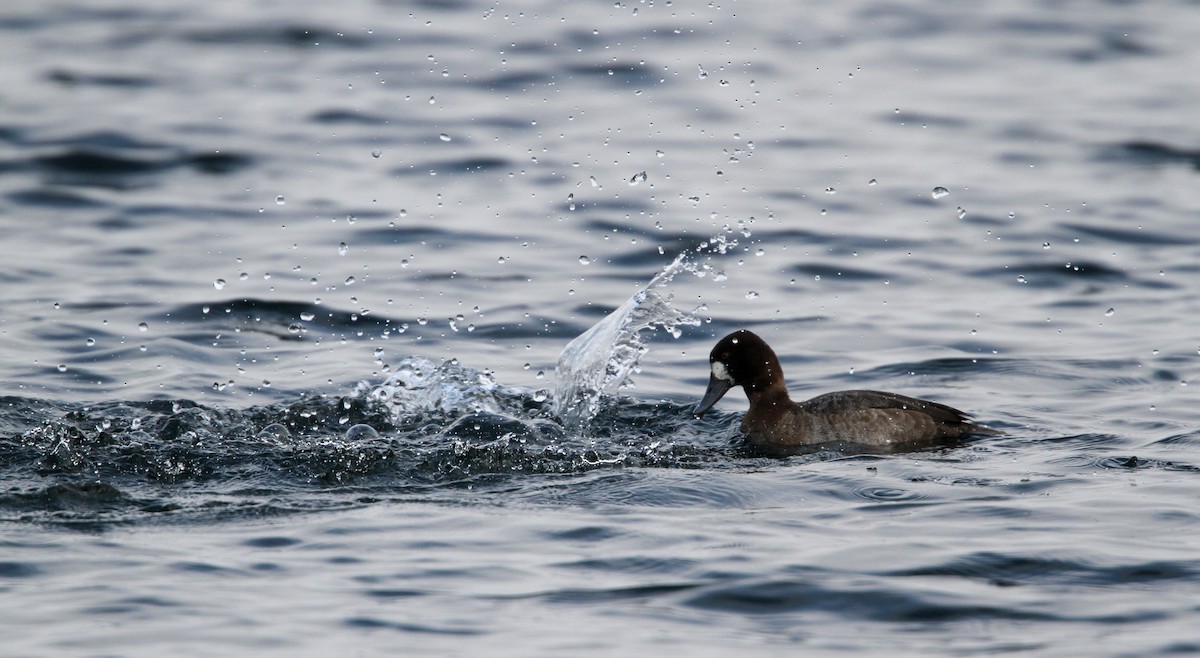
(741, 359)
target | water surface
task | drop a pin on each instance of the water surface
(286, 285)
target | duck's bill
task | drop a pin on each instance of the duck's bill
(716, 390)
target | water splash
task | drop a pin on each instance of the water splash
(600, 360)
(420, 387)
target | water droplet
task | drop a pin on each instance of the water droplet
(1110, 312)
(501, 260)
(279, 200)
(703, 74)
(570, 202)
(752, 295)
(1045, 245)
(830, 190)
(872, 182)
(349, 280)
(961, 213)
(432, 100)
(584, 260)
(62, 368)
(308, 316)
(294, 328)
(219, 284)
(404, 262)
(361, 432)
(660, 154)
(939, 192)
(1020, 278)
(593, 181)
(90, 342)
(444, 137)
(376, 153)
(343, 249)
(143, 327)
(639, 177)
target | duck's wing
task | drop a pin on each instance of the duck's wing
(849, 402)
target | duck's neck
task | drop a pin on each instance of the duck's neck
(774, 395)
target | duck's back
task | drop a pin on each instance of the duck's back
(870, 418)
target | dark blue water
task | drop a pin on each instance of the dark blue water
(285, 287)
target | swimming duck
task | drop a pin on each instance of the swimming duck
(868, 418)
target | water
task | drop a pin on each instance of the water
(286, 287)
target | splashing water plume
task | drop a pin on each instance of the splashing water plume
(600, 360)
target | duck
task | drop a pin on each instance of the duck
(870, 420)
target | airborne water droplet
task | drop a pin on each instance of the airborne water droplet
(939, 192)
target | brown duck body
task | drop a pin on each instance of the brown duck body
(873, 419)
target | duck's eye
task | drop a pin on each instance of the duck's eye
(720, 371)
